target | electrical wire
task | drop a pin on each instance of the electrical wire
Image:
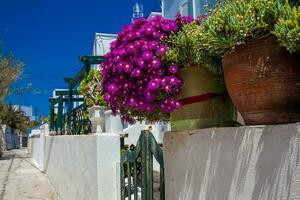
(55, 74)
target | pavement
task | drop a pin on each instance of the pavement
(21, 180)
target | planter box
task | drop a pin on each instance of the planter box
(97, 118)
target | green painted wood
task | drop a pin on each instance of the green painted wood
(74, 121)
(65, 92)
(129, 180)
(59, 127)
(142, 155)
(89, 60)
(52, 125)
(70, 107)
(122, 183)
(135, 181)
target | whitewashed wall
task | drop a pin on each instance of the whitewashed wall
(246, 163)
(80, 167)
(171, 7)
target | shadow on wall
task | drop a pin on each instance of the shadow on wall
(48, 152)
(255, 163)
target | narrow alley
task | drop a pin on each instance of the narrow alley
(21, 180)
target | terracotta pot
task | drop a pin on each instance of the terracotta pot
(263, 81)
(207, 101)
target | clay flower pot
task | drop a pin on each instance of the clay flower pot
(204, 99)
(263, 81)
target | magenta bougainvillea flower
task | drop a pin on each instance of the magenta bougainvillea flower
(136, 82)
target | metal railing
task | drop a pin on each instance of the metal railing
(75, 121)
(79, 123)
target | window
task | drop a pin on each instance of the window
(186, 9)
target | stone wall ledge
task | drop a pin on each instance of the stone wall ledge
(236, 163)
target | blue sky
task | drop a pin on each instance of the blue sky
(50, 35)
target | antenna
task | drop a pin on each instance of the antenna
(19, 91)
(137, 11)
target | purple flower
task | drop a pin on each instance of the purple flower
(141, 62)
(131, 48)
(155, 35)
(149, 29)
(181, 20)
(147, 56)
(135, 80)
(149, 108)
(170, 104)
(140, 105)
(167, 88)
(173, 69)
(172, 80)
(152, 45)
(107, 97)
(162, 50)
(127, 86)
(145, 47)
(127, 68)
(136, 73)
(158, 72)
(112, 88)
(155, 63)
(149, 95)
(132, 101)
(153, 84)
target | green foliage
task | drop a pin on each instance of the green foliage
(46, 119)
(287, 30)
(182, 46)
(238, 21)
(91, 89)
(184, 49)
(15, 118)
(10, 70)
(294, 2)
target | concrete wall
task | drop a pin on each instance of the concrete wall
(80, 167)
(246, 163)
(34, 147)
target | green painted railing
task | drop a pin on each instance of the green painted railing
(80, 123)
(137, 169)
(75, 121)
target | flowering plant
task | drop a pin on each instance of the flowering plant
(184, 48)
(236, 22)
(287, 30)
(137, 83)
(90, 88)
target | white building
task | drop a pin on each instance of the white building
(152, 14)
(192, 8)
(101, 45)
(28, 110)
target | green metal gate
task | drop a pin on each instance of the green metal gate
(137, 169)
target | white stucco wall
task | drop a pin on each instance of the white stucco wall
(81, 167)
(172, 7)
(36, 146)
(246, 163)
(101, 45)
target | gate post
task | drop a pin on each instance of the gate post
(52, 114)
(60, 114)
(147, 165)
